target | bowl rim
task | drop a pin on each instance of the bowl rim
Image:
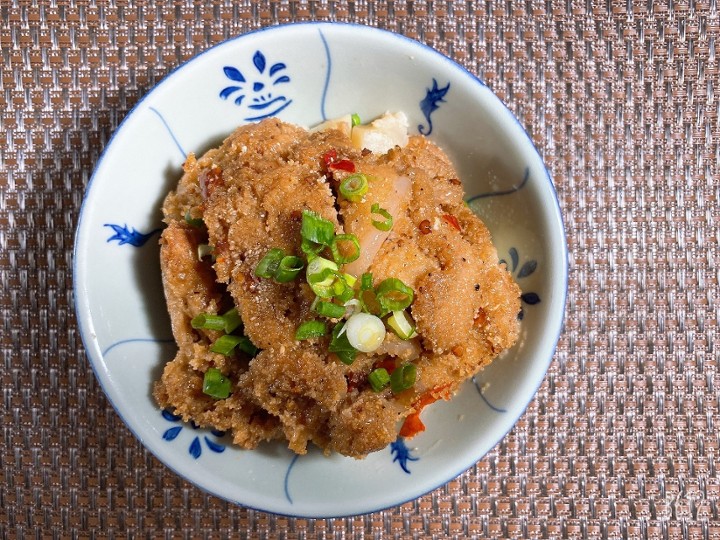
(554, 214)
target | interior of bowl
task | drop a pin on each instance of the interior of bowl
(304, 74)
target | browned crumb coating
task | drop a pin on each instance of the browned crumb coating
(250, 193)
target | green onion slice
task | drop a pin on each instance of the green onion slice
(403, 377)
(328, 309)
(393, 295)
(227, 343)
(289, 268)
(387, 223)
(321, 275)
(316, 229)
(232, 320)
(378, 379)
(310, 249)
(335, 248)
(340, 345)
(208, 321)
(400, 324)
(198, 223)
(366, 281)
(269, 264)
(353, 187)
(355, 119)
(215, 384)
(311, 329)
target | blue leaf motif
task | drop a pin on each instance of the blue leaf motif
(527, 269)
(195, 449)
(530, 298)
(259, 61)
(514, 257)
(233, 74)
(172, 433)
(225, 92)
(275, 68)
(170, 417)
(215, 447)
(402, 454)
(239, 100)
(125, 236)
(283, 79)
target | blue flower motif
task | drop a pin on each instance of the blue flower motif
(195, 448)
(125, 236)
(527, 269)
(258, 89)
(402, 454)
(429, 105)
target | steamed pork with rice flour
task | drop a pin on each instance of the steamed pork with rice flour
(325, 286)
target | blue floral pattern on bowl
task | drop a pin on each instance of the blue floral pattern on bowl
(259, 87)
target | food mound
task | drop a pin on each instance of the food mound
(324, 286)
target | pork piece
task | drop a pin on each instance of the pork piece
(250, 193)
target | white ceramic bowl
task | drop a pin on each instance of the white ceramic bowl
(305, 73)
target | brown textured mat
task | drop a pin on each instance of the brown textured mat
(622, 100)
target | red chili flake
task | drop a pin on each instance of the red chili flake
(330, 157)
(412, 426)
(387, 363)
(342, 165)
(425, 227)
(453, 221)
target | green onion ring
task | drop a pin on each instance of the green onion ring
(215, 384)
(316, 229)
(353, 187)
(289, 267)
(208, 321)
(387, 223)
(393, 295)
(269, 264)
(378, 379)
(403, 377)
(339, 257)
(311, 329)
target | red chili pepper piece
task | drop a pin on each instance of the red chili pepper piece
(330, 157)
(412, 426)
(453, 221)
(342, 165)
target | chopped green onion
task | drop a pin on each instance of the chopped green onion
(355, 119)
(340, 345)
(232, 320)
(400, 324)
(321, 274)
(378, 379)
(366, 281)
(311, 249)
(341, 290)
(387, 223)
(311, 329)
(289, 268)
(353, 187)
(316, 229)
(269, 264)
(365, 332)
(335, 248)
(198, 223)
(227, 343)
(328, 309)
(393, 295)
(208, 321)
(349, 279)
(403, 377)
(203, 250)
(215, 384)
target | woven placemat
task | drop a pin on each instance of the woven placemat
(622, 100)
